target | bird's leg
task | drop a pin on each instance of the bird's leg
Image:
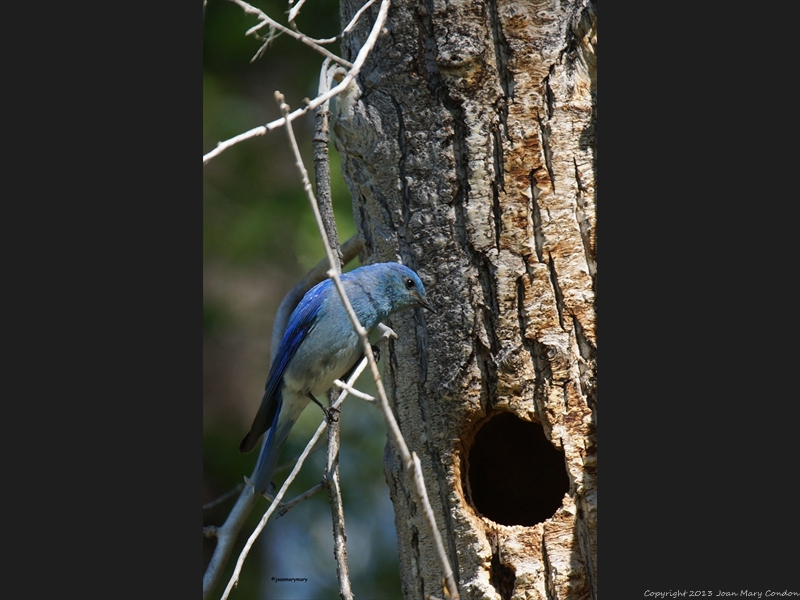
(330, 413)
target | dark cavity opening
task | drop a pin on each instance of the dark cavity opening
(516, 476)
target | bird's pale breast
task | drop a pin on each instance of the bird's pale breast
(320, 359)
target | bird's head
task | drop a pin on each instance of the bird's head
(407, 287)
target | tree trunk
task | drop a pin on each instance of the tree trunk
(469, 149)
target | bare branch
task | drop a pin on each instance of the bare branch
(337, 510)
(333, 263)
(322, 173)
(334, 273)
(351, 74)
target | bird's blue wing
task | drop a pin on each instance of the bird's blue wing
(300, 323)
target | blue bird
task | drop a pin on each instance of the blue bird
(320, 345)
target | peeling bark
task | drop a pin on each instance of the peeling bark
(469, 149)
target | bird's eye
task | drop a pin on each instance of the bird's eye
(410, 283)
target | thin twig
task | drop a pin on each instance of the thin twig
(354, 392)
(287, 506)
(386, 332)
(349, 27)
(295, 10)
(225, 496)
(351, 74)
(266, 20)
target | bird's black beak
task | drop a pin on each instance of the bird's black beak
(425, 304)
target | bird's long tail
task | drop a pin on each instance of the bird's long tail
(286, 417)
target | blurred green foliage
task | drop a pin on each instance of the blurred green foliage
(259, 239)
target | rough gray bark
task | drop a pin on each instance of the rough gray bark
(469, 149)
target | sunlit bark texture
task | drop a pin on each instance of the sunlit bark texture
(469, 149)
